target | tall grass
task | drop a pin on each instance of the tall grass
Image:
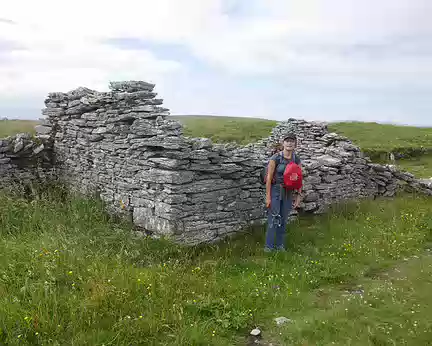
(70, 275)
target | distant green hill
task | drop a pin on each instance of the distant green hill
(379, 138)
(11, 127)
(376, 140)
(369, 136)
(226, 129)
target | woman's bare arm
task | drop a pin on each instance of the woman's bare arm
(299, 193)
(270, 174)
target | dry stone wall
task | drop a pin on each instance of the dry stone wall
(336, 170)
(122, 146)
(25, 159)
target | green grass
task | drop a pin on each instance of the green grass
(379, 139)
(390, 309)
(69, 275)
(227, 129)
(12, 127)
(414, 144)
(420, 166)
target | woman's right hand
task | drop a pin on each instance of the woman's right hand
(268, 202)
(270, 175)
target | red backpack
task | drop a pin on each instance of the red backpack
(292, 177)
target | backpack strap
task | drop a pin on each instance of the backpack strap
(281, 158)
(293, 157)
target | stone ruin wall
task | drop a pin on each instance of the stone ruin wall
(122, 146)
(24, 159)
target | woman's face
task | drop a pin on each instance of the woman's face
(289, 144)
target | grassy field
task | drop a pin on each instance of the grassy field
(384, 136)
(11, 127)
(420, 166)
(71, 276)
(227, 129)
(380, 139)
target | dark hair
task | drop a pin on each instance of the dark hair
(276, 147)
(290, 136)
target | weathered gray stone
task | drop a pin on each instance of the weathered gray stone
(311, 164)
(5, 160)
(312, 179)
(131, 86)
(44, 130)
(331, 178)
(145, 218)
(426, 182)
(310, 206)
(311, 196)
(99, 130)
(199, 154)
(165, 177)
(144, 108)
(203, 166)
(329, 161)
(19, 145)
(38, 149)
(282, 320)
(255, 332)
(202, 143)
(164, 162)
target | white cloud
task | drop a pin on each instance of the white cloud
(275, 36)
(333, 43)
(162, 20)
(310, 38)
(44, 58)
(44, 69)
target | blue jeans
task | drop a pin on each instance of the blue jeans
(281, 205)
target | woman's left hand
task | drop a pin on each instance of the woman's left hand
(296, 203)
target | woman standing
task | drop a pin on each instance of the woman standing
(279, 201)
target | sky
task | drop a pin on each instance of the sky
(326, 60)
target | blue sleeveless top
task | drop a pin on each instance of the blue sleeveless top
(281, 163)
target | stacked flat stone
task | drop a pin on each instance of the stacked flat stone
(122, 146)
(24, 159)
(104, 143)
